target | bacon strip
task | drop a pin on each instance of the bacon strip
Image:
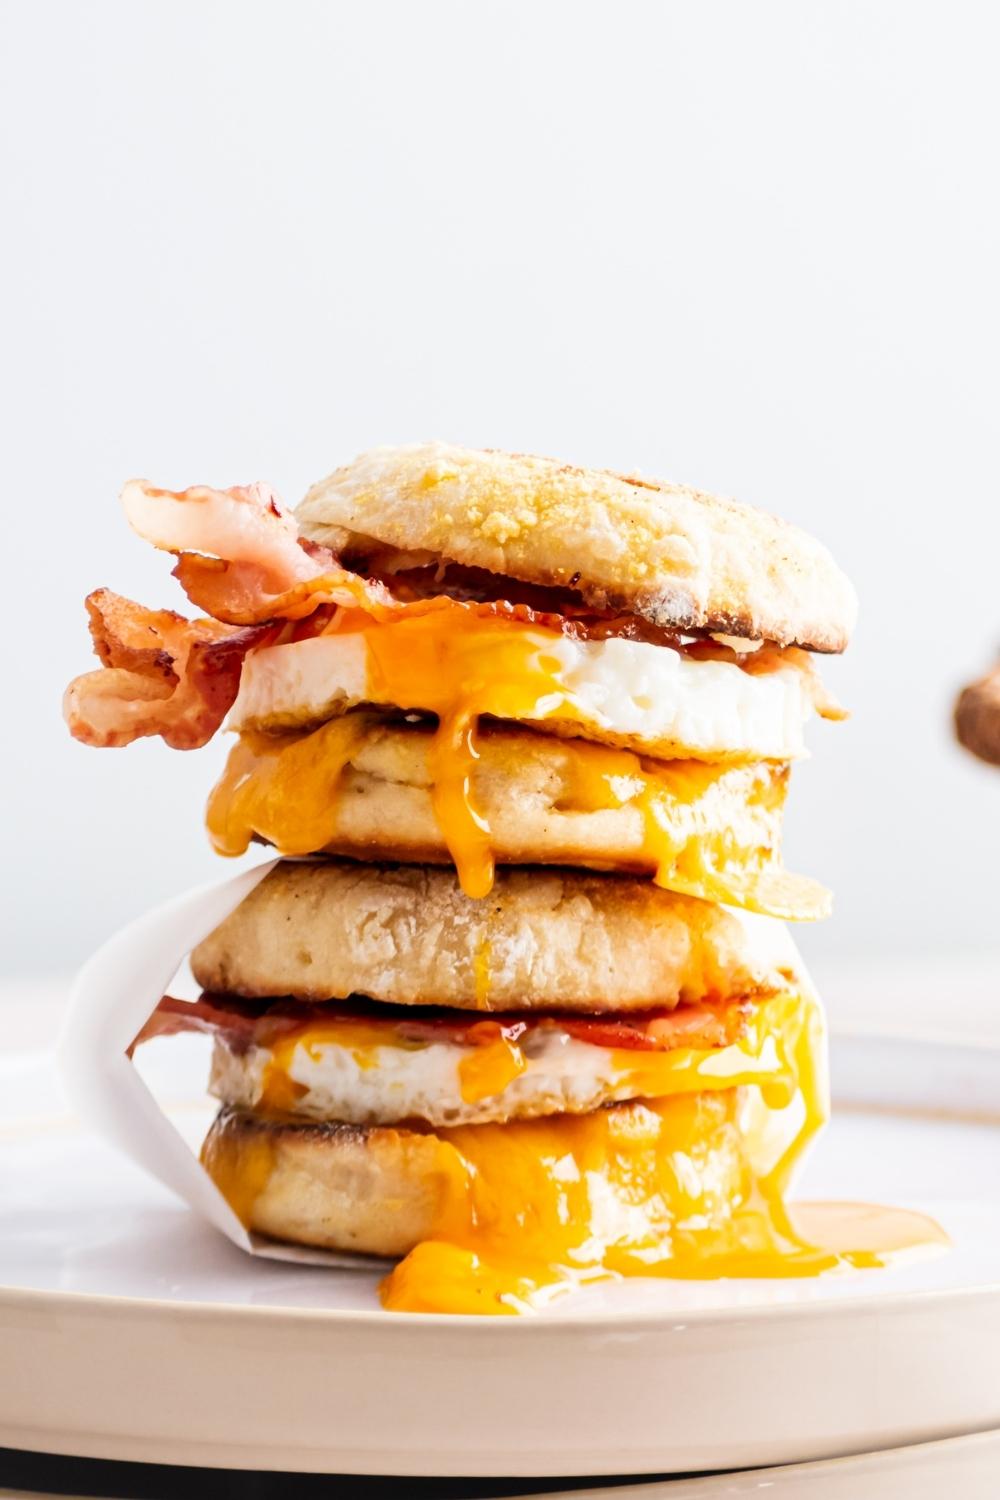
(235, 1019)
(688, 1026)
(160, 674)
(241, 560)
(240, 557)
(237, 592)
(245, 1023)
(767, 658)
(246, 524)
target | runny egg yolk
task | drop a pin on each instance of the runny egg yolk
(284, 786)
(691, 1184)
(486, 1071)
(461, 672)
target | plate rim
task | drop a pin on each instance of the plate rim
(656, 1342)
(13, 1297)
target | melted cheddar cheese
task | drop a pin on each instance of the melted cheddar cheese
(486, 1071)
(707, 830)
(284, 785)
(286, 1076)
(691, 1184)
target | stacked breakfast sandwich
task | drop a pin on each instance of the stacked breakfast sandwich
(510, 1010)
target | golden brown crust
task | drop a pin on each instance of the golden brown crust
(675, 556)
(552, 938)
(977, 717)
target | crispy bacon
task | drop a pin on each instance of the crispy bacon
(240, 557)
(479, 592)
(237, 592)
(244, 524)
(245, 1023)
(687, 1026)
(160, 674)
(241, 560)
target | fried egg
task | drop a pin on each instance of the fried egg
(367, 1075)
(651, 698)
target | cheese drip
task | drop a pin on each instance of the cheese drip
(691, 1185)
(688, 1185)
(284, 788)
(459, 671)
(710, 831)
(764, 1055)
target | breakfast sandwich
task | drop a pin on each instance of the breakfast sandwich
(509, 1010)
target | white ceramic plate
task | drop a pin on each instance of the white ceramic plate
(130, 1330)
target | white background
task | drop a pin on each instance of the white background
(752, 247)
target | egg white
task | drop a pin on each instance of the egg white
(650, 698)
(382, 1085)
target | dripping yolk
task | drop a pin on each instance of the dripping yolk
(461, 670)
(284, 788)
(689, 1185)
(706, 830)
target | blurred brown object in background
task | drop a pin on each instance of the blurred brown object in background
(977, 717)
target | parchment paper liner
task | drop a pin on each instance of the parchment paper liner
(114, 994)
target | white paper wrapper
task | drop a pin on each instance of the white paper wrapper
(115, 993)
